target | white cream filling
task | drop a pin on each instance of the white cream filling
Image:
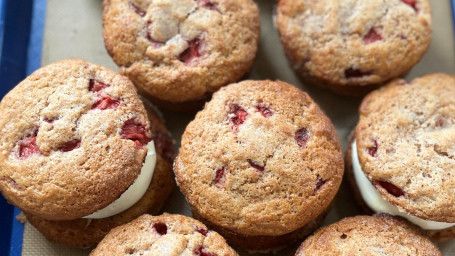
(378, 204)
(135, 192)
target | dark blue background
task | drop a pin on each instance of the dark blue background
(21, 31)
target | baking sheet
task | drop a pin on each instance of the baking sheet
(73, 30)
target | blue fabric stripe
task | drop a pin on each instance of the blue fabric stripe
(36, 36)
(21, 41)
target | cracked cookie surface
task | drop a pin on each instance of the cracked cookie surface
(61, 157)
(350, 44)
(260, 159)
(182, 50)
(167, 234)
(405, 139)
(380, 234)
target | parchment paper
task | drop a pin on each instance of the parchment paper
(73, 30)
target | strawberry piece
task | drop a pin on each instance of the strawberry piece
(256, 166)
(389, 187)
(96, 85)
(161, 228)
(355, 73)
(301, 136)
(70, 145)
(106, 102)
(265, 111)
(372, 36)
(192, 52)
(135, 132)
(373, 151)
(240, 115)
(28, 147)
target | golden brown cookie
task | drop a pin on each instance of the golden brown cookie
(261, 160)
(72, 139)
(369, 235)
(170, 235)
(179, 51)
(85, 233)
(352, 46)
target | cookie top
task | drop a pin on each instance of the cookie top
(72, 138)
(368, 235)
(260, 159)
(167, 234)
(405, 143)
(354, 42)
(181, 50)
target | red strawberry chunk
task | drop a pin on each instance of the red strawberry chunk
(319, 183)
(135, 132)
(136, 9)
(106, 102)
(301, 136)
(161, 228)
(96, 85)
(373, 151)
(202, 230)
(192, 52)
(208, 4)
(219, 174)
(355, 73)
(28, 147)
(389, 187)
(372, 36)
(240, 115)
(265, 111)
(256, 166)
(412, 3)
(70, 145)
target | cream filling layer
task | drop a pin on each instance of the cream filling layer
(378, 204)
(135, 192)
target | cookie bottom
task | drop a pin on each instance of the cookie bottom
(435, 235)
(264, 244)
(86, 233)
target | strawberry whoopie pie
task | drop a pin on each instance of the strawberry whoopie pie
(177, 52)
(402, 156)
(352, 46)
(260, 164)
(79, 152)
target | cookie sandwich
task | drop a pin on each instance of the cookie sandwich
(79, 152)
(401, 158)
